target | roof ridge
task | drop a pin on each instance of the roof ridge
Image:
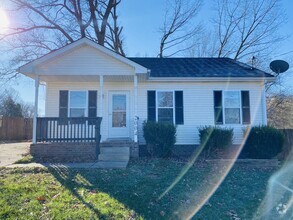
(228, 58)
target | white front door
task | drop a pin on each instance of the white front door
(119, 114)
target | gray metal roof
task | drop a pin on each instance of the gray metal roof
(198, 67)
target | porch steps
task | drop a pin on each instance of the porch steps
(114, 153)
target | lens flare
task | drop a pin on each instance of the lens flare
(278, 202)
(4, 21)
(226, 164)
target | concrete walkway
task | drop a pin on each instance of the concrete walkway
(93, 165)
(12, 152)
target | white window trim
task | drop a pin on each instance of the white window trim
(86, 107)
(157, 105)
(223, 104)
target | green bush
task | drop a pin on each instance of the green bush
(263, 142)
(213, 138)
(160, 138)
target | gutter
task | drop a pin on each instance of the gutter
(211, 79)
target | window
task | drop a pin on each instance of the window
(118, 110)
(232, 107)
(77, 103)
(165, 106)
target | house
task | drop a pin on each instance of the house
(86, 82)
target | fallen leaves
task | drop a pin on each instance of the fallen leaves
(41, 199)
(56, 196)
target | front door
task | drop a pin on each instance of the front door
(118, 114)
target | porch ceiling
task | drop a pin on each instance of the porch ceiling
(89, 78)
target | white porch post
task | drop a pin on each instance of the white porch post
(264, 105)
(101, 95)
(101, 92)
(135, 110)
(36, 110)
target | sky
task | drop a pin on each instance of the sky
(141, 21)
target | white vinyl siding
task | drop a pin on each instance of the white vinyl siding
(84, 60)
(52, 97)
(197, 98)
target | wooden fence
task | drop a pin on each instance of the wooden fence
(13, 128)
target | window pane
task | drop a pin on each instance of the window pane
(119, 103)
(77, 99)
(77, 112)
(165, 115)
(118, 119)
(232, 116)
(232, 99)
(165, 99)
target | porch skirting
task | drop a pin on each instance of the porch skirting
(64, 152)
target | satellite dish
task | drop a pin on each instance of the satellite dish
(279, 66)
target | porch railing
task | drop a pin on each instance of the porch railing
(81, 129)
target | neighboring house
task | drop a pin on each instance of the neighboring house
(84, 79)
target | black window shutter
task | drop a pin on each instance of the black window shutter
(179, 117)
(151, 105)
(63, 103)
(218, 107)
(245, 107)
(92, 104)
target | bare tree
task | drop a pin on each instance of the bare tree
(178, 26)
(247, 27)
(115, 34)
(46, 25)
(27, 110)
(280, 110)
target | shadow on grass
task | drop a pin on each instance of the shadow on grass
(67, 178)
(136, 189)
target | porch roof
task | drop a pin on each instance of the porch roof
(81, 58)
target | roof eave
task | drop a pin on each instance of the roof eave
(211, 79)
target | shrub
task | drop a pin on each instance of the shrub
(160, 138)
(263, 142)
(212, 138)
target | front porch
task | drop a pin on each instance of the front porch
(77, 139)
(84, 83)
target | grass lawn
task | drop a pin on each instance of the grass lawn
(133, 193)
